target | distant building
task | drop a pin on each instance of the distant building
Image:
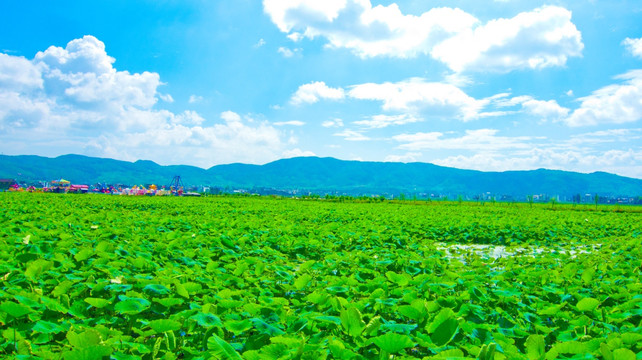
(5, 184)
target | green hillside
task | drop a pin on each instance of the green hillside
(323, 175)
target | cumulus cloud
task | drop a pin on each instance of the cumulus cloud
(416, 95)
(313, 92)
(195, 99)
(480, 139)
(289, 123)
(332, 123)
(544, 109)
(72, 100)
(367, 30)
(405, 158)
(414, 99)
(297, 153)
(540, 38)
(623, 162)
(613, 104)
(287, 52)
(351, 135)
(381, 121)
(634, 46)
(19, 74)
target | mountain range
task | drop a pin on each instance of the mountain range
(323, 175)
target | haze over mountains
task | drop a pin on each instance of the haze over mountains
(323, 175)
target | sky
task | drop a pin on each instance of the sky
(486, 85)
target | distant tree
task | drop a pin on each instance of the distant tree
(597, 200)
(577, 198)
(530, 200)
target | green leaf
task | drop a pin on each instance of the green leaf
(449, 354)
(84, 254)
(631, 338)
(569, 347)
(88, 338)
(207, 320)
(587, 304)
(221, 349)
(162, 325)
(181, 291)
(411, 312)
(54, 305)
(156, 289)
(352, 322)
(238, 327)
(339, 351)
(37, 267)
(46, 327)
(302, 281)
(623, 354)
(169, 302)
(14, 309)
(97, 302)
(132, 306)
(606, 352)
(445, 332)
(373, 326)
(535, 345)
(118, 287)
(553, 310)
(94, 352)
(265, 328)
(442, 316)
(392, 343)
(398, 279)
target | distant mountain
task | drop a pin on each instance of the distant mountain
(323, 175)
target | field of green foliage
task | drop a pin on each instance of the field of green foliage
(99, 277)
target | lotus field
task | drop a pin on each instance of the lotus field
(100, 277)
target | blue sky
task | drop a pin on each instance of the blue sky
(493, 86)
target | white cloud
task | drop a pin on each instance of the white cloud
(622, 162)
(232, 141)
(481, 139)
(382, 121)
(416, 95)
(295, 36)
(195, 99)
(166, 98)
(287, 52)
(367, 30)
(607, 136)
(260, 43)
(405, 158)
(289, 123)
(313, 92)
(72, 100)
(541, 108)
(332, 123)
(297, 153)
(19, 74)
(541, 38)
(634, 46)
(613, 104)
(230, 117)
(351, 135)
